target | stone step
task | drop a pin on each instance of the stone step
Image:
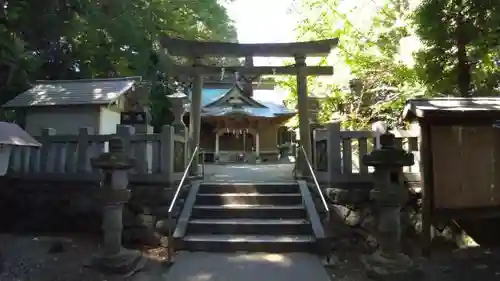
(235, 187)
(249, 226)
(250, 243)
(249, 198)
(241, 211)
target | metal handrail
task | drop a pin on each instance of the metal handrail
(316, 183)
(174, 200)
(202, 161)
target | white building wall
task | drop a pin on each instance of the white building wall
(65, 120)
(108, 119)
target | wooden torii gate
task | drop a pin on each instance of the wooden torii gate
(196, 50)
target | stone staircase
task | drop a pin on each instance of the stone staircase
(254, 217)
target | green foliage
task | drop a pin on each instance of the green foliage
(70, 39)
(459, 53)
(373, 75)
(462, 39)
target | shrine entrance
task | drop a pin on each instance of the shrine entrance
(195, 51)
(233, 144)
(238, 141)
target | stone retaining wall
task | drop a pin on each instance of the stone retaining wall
(49, 206)
(35, 206)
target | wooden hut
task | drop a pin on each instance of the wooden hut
(460, 157)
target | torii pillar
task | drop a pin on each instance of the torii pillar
(195, 115)
(304, 130)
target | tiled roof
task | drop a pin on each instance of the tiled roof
(73, 92)
(272, 107)
(210, 95)
(12, 134)
(447, 105)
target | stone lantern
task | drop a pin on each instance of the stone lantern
(389, 193)
(113, 258)
(179, 101)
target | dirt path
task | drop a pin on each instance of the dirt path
(246, 267)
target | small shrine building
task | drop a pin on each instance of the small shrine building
(238, 120)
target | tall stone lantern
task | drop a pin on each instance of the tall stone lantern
(179, 102)
(389, 193)
(114, 193)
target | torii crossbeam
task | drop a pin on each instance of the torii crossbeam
(188, 48)
(299, 50)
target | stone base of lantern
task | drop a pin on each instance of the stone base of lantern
(125, 263)
(394, 268)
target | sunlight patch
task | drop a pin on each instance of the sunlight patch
(274, 258)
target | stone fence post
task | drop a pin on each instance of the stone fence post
(113, 258)
(334, 151)
(83, 151)
(167, 152)
(46, 164)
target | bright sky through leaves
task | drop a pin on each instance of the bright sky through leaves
(270, 21)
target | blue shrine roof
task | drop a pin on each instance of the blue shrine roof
(210, 95)
(271, 101)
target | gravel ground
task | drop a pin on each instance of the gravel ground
(470, 264)
(42, 258)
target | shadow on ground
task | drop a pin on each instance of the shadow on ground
(54, 258)
(246, 267)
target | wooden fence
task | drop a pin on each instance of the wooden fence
(337, 154)
(160, 158)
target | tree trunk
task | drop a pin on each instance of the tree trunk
(5, 75)
(463, 66)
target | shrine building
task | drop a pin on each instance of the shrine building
(239, 120)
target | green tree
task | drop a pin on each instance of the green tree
(70, 39)
(462, 39)
(374, 70)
